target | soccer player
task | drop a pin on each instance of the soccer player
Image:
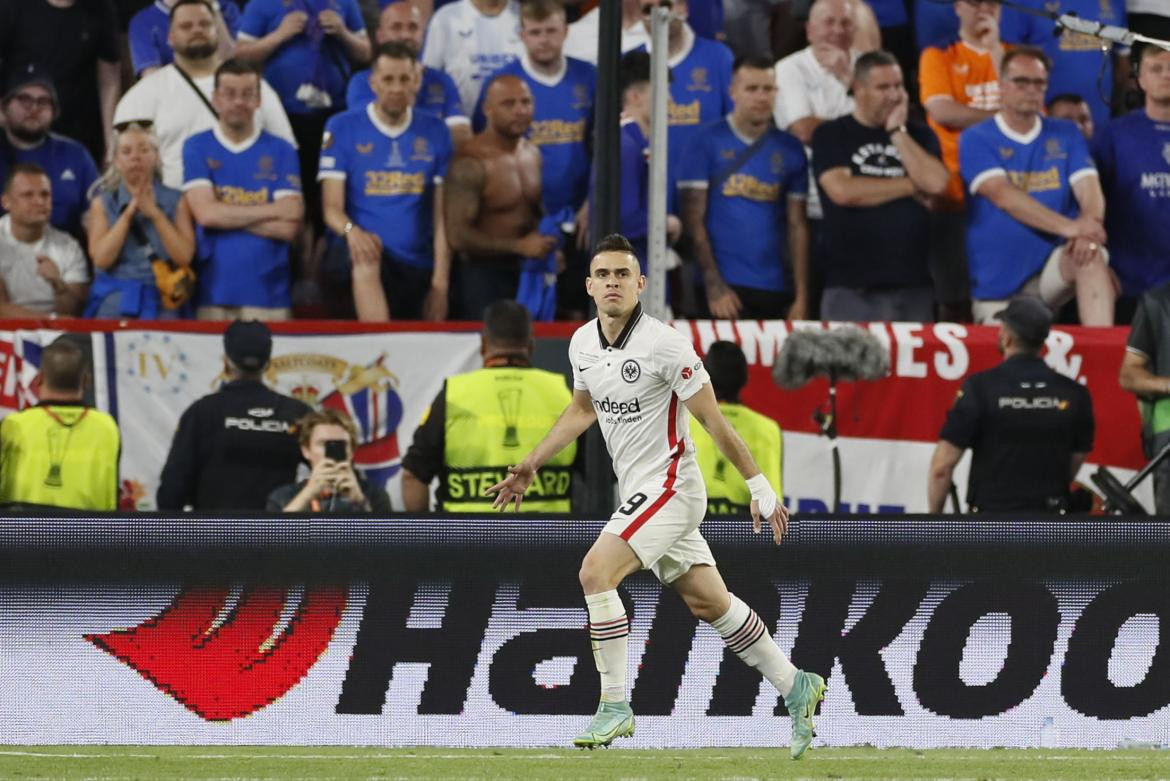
(630, 373)
(244, 188)
(382, 170)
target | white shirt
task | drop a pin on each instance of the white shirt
(18, 265)
(1156, 7)
(638, 385)
(805, 89)
(582, 39)
(166, 99)
(470, 45)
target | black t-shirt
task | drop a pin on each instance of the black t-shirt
(871, 246)
(67, 44)
(232, 449)
(1023, 422)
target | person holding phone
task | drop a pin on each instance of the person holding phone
(328, 438)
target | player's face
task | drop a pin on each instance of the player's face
(135, 156)
(192, 32)
(237, 98)
(1022, 85)
(1154, 76)
(1078, 112)
(678, 17)
(395, 84)
(754, 93)
(401, 22)
(29, 113)
(615, 281)
(509, 107)
(832, 23)
(29, 199)
(879, 93)
(544, 40)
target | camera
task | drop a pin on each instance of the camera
(337, 450)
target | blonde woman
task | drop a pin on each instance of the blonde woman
(134, 218)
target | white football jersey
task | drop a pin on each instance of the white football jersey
(638, 385)
(469, 45)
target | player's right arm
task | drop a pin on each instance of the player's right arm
(572, 423)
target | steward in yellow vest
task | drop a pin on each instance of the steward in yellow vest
(60, 453)
(486, 420)
(727, 493)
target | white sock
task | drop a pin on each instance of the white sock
(608, 632)
(746, 635)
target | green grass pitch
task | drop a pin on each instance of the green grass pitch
(116, 763)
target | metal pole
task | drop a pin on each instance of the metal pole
(605, 219)
(654, 300)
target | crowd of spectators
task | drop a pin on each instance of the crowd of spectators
(845, 159)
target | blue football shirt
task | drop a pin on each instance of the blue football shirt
(747, 217)
(390, 176)
(1003, 253)
(700, 90)
(237, 267)
(437, 94)
(562, 126)
(148, 31)
(71, 172)
(309, 58)
(1133, 156)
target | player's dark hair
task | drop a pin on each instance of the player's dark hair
(1029, 52)
(29, 168)
(1065, 97)
(870, 60)
(753, 61)
(539, 10)
(728, 368)
(237, 67)
(634, 70)
(63, 365)
(507, 323)
(394, 50)
(614, 242)
(181, 3)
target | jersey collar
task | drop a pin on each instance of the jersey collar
(688, 44)
(624, 336)
(1020, 138)
(383, 128)
(232, 146)
(540, 78)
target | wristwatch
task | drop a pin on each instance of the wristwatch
(348, 227)
(899, 129)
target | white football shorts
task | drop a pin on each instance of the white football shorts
(663, 529)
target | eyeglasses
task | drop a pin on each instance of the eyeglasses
(648, 7)
(1023, 82)
(27, 101)
(134, 124)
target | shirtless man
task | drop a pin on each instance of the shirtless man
(492, 201)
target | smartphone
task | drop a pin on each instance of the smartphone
(337, 450)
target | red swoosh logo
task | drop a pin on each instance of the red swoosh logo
(226, 671)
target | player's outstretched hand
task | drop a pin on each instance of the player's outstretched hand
(778, 520)
(512, 487)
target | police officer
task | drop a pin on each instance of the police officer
(61, 452)
(727, 493)
(483, 421)
(1029, 427)
(234, 446)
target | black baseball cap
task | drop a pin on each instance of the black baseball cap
(30, 74)
(248, 343)
(1028, 317)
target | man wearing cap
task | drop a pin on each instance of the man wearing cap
(234, 446)
(29, 106)
(1029, 428)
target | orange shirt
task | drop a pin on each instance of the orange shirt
(967, 75)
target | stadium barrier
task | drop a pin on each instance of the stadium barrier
(932, 630)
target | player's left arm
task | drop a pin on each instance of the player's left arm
(765, 503)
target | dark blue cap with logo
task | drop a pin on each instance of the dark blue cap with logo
(248, 343)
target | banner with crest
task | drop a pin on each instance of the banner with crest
(385, 382)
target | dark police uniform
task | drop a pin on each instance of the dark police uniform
(232, 448)
(1023, 422)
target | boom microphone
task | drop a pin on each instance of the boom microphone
(847, 353)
